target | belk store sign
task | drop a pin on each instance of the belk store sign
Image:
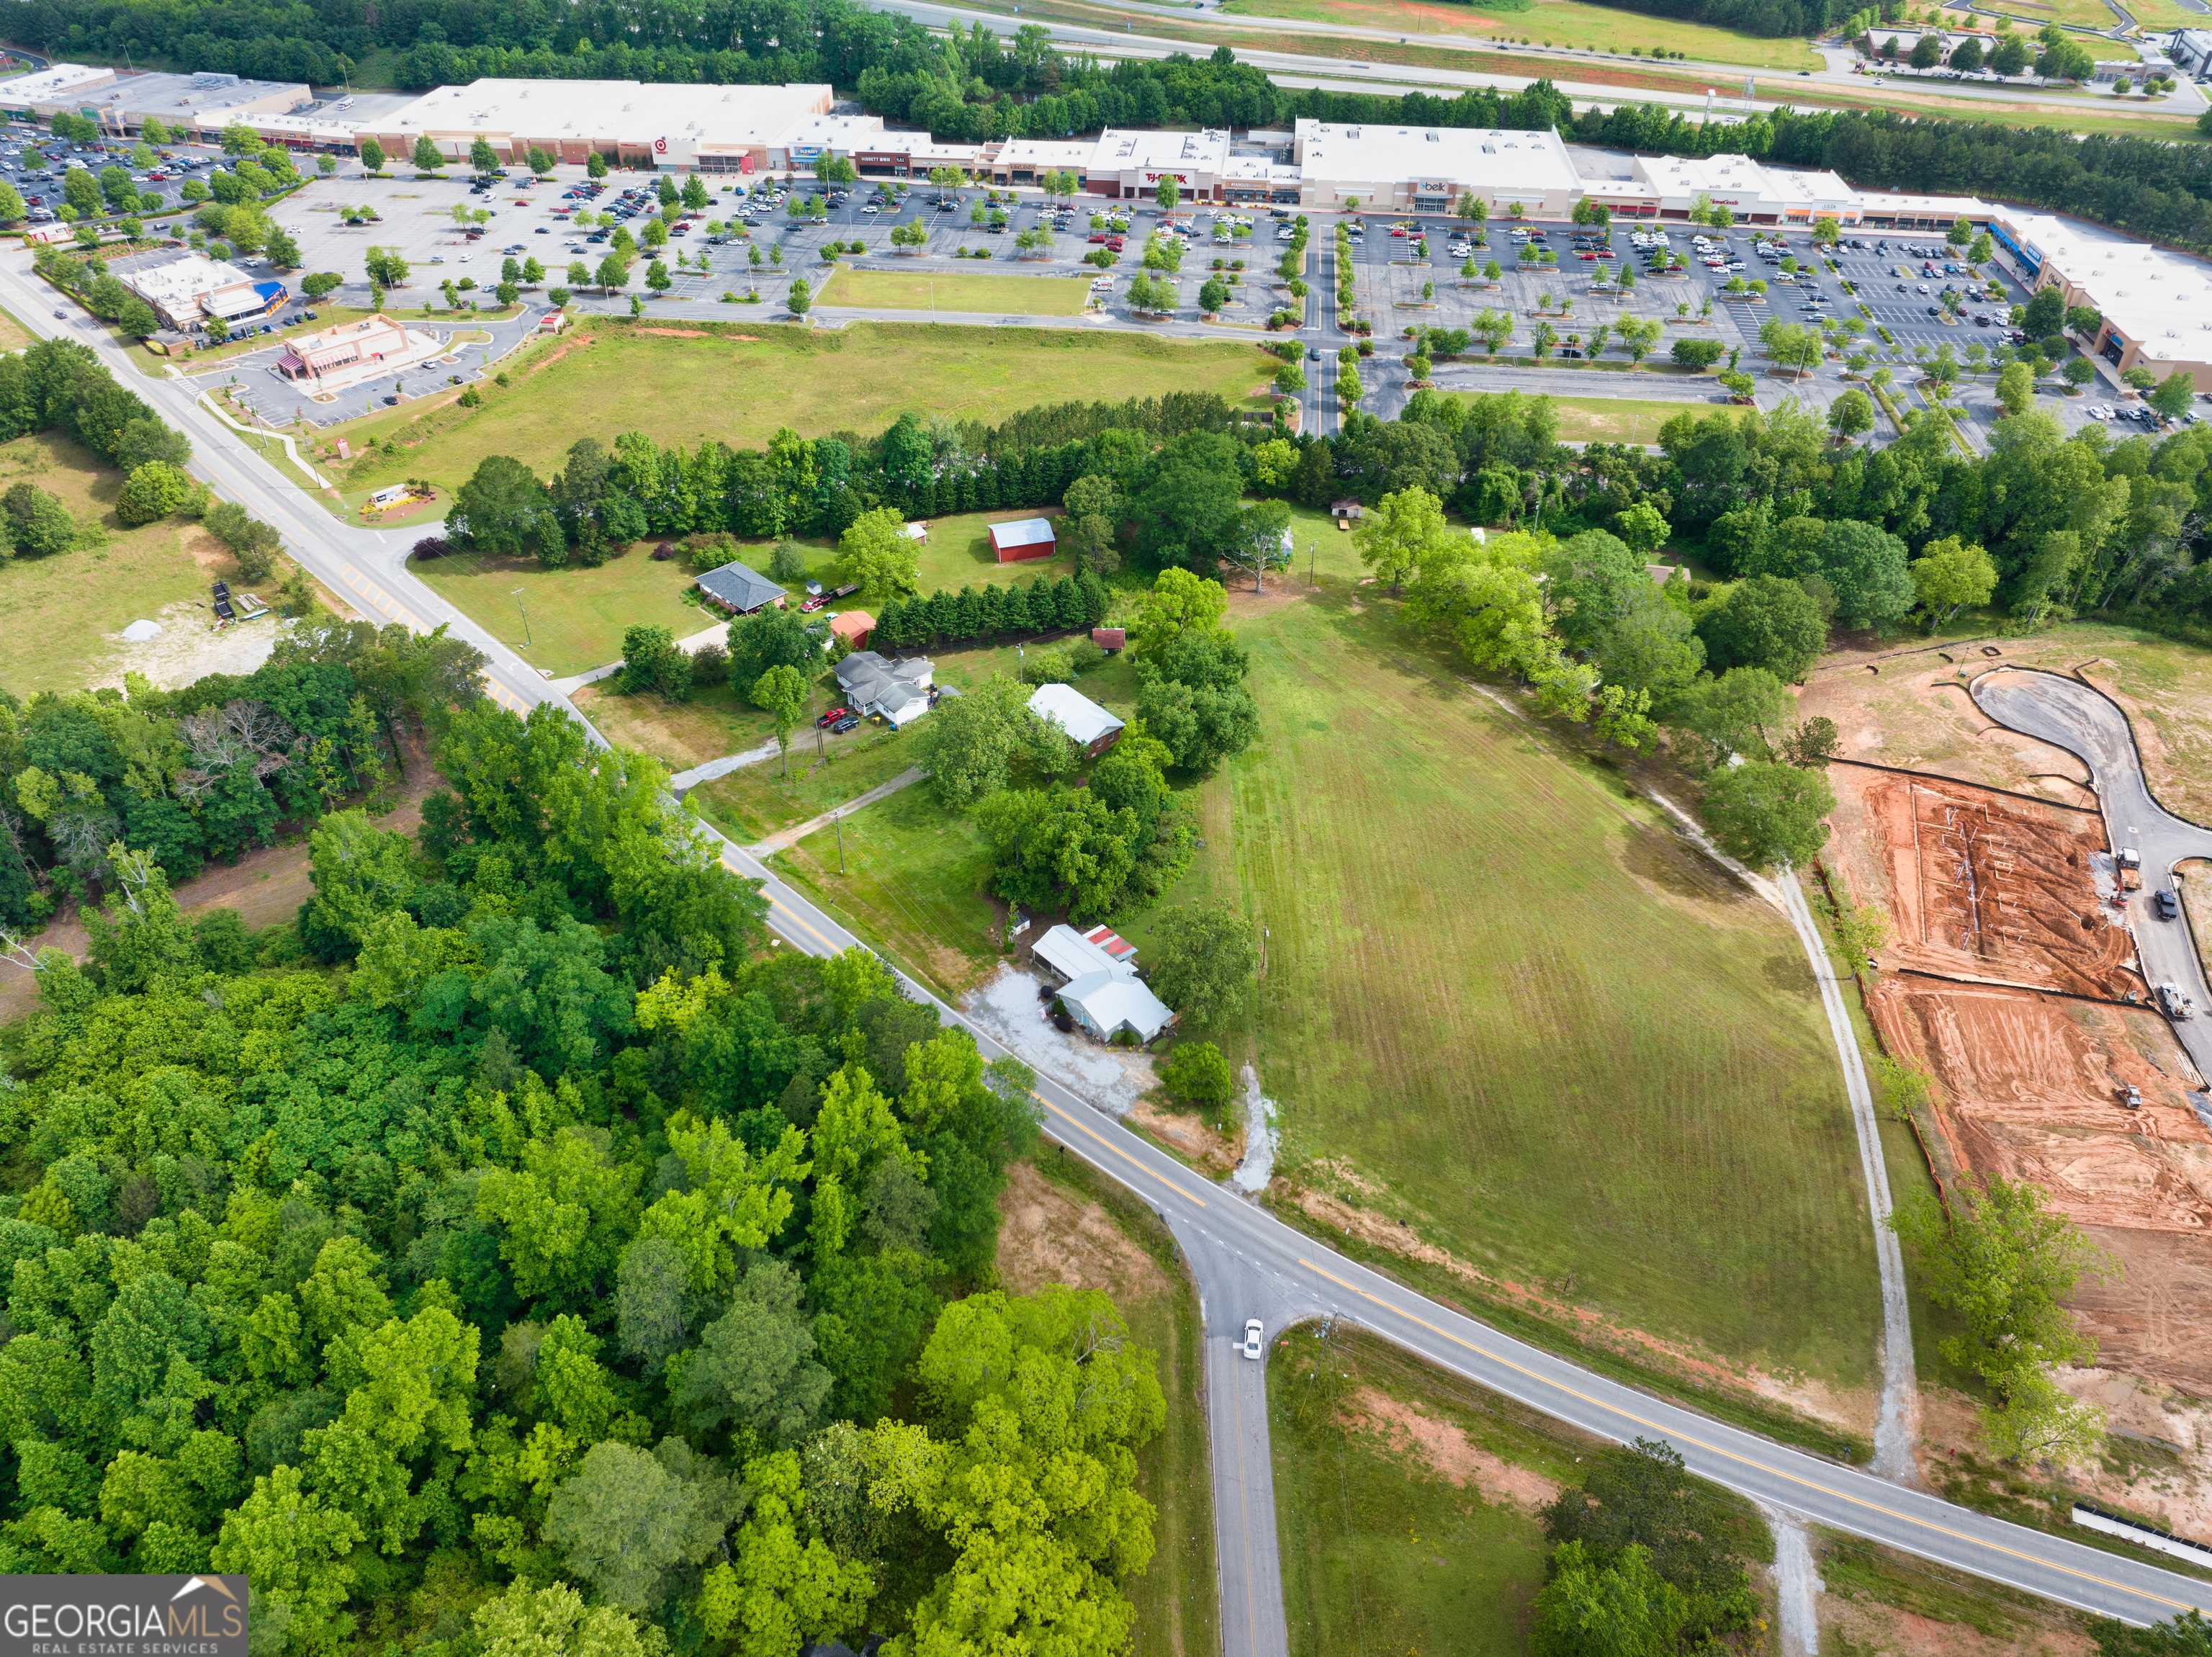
(122, 1617)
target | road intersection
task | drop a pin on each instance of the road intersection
(1245, 1261)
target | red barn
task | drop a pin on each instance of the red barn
(1023, 540)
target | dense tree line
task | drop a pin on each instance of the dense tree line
(566, 1273)
(987, 614)
(974, 86)
(604, 497)
(205, 774)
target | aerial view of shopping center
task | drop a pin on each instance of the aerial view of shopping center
(1278, 827)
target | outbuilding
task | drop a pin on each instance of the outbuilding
(1091, 728)
(853, 626)
(1022, 539)
(739, 589)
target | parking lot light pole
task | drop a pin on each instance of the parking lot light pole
(526, 640)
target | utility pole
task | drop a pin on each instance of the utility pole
(526, 640)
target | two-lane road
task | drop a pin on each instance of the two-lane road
(1245, 1260)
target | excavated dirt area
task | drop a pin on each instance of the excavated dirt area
(1998, 897)
(1981, 885)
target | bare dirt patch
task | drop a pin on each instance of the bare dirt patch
(679, 333)
(1050, 1235)
(1445, 1450)
(1876, 1631)
(189, 647)
(1204, 1146)
(1981, 885)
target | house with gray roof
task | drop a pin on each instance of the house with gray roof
(740, 588)
(874, 684)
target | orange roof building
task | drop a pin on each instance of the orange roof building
(853, 626)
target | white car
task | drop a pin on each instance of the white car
(1255, 1339)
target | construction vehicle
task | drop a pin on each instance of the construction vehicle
(2130, 862)
(2174, 1002)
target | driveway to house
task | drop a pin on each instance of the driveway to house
(2091, 725)
(784, 839)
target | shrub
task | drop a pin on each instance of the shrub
(431, 547)
(1195, 1072)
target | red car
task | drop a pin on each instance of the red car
(832, 717)
(1606, 253)
(1098, 237)
(1397, 230)
(1586, 253)
(810, 605)
(1113, 244)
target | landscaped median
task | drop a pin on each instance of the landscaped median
(928, 291)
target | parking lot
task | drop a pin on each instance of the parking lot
(35, 161)
(474, 348)
(1391, 275)
(414, 217)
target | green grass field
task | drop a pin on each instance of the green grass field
(567, 620)
(682, 385)
(1388, 1544)
(911, 880)
(1498, 987)
(957, 553)
(56, 614)
(1555, 22)
(921, 290)
(1620, 419)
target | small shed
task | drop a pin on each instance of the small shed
(1091, 728)
(1110, 639)
(853, 626)
(739, 589)
(1022, 539)
(1662, 574)
(915, 530)
(1349, 512)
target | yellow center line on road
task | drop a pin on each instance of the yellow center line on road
(1092, 1133)
(1743, 1460)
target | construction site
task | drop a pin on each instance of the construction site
(2010, 980)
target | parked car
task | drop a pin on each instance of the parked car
(2165, 905)
(832, 717)
(850, 722)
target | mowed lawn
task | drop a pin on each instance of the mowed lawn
(569, 620)
(923, 291)
(1498, 985)
(59, 615)
(1554, 22)
(1620, 419)
(683, 384)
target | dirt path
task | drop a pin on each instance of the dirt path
(784, 839)
(266, 886)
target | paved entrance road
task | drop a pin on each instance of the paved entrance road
(2090, 725)
(1245, 1261)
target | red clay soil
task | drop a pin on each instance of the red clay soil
(1979, 885)
(2028, 1087)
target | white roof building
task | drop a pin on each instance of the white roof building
(1091, 728)
(1103, 992)
(711, 127)
(1427, 168)
(2156, 305)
